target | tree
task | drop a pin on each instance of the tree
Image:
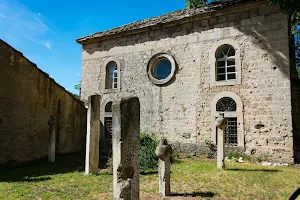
(293, 8)
(195, 3)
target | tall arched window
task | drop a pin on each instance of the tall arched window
(228, 106)
(111, 79)
(108, 120)
(225, 63)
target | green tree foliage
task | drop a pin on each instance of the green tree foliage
(195, 3)
(293, 8)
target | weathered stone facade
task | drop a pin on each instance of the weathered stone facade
(28, 97)
(182, 110)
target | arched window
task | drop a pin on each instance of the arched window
(228, 106)
(108, 107)
(111, 79)
(108, 120)
(225, 63)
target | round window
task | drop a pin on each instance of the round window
(161, 68)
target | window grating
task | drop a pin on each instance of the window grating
(226, 104)
(231, 132)
(108, 127)
(108, 107)
(225, 63)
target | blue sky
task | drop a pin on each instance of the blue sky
(45, 31)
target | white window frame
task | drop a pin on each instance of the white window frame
(238, 114)
(226, 58)
(213, 67)
(229, 114)
(104, 76)
(104, 114)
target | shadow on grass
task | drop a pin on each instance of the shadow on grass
(149, 172)
(35, 179)
(194, 194)
(254, 170)
(40, 170)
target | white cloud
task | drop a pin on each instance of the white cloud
(48, 45)
(18, 21)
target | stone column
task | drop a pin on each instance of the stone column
(221, 123)
(126, 148)
(52, 139)
(163, 152)
(93, 134)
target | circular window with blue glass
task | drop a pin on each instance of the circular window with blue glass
(161, 68)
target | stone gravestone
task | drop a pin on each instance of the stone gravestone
(93, 134)
(126, 148)
(163, 152)
(221, 123)
(52, 139)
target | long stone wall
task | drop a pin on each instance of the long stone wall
(28, 97)
(182, 110)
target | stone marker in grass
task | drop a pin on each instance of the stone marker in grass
(221, 123)
(93, 134)
(163, 152)
(126, 148)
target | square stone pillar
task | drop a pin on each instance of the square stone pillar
(220, 149)
(126, 148)
(93, 134)
(164, 172)
(221, 124)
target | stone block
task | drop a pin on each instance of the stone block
(93, 135)
(126, 148)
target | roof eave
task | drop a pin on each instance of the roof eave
(207, 14)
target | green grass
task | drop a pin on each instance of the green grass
(191, 178)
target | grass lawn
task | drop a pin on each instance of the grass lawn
(191, 178)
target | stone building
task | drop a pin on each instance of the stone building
(187, 66)
(28, 97)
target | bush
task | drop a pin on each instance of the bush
(212, 149)
(109, 165)
(232, 155)
(149, 160)
(174, 156)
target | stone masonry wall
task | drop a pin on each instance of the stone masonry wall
(28, 97)
(182, 109)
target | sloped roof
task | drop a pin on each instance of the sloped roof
(163, 19)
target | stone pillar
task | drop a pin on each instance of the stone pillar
(126, 148)
(163, 152)
(52, 139)
(93, 134)
(221, 123)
